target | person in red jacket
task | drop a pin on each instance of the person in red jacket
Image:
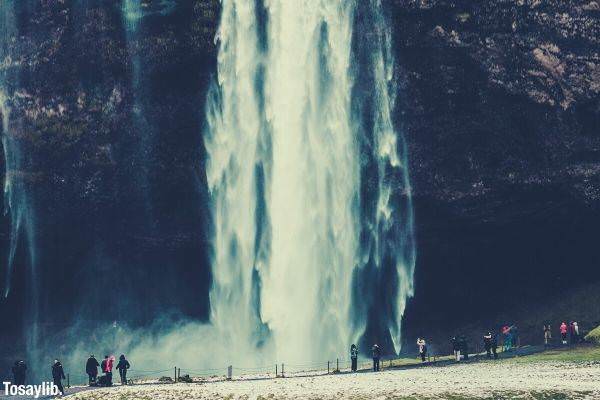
(563, 332)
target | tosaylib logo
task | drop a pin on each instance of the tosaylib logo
(35, 391)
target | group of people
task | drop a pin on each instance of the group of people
(459, 347)
(354, 357)
(19, 371)
(376, 354)
(91, 369)
(570, 331)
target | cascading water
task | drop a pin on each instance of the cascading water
(16, 202)
(387, 255)
(17, 197)
(285, 172)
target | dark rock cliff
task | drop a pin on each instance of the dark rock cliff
(501, 110)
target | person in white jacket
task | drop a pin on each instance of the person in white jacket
(422, 348)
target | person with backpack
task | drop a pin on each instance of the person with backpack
(58, 374)
(354, 357)
(376, 357)
(91, 369)
(123, 366)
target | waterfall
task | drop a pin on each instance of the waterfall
(387, 255)
(17, 197)
(286, 150)
(16, 200)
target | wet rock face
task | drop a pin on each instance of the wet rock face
(500, 103)
(78, 88)
(506, 92)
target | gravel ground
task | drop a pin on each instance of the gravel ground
(481, 380)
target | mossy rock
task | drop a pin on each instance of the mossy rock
(594, 336)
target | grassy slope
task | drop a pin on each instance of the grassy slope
(578, 354)
(594, 335)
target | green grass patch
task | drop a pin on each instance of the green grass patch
(594, 335)
(577, 354)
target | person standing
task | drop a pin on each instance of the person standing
(575, 334)
(547, 334)
(376, 357)
(422, 348)
(456, 348)
(354, 357)
(123, 366)
(91, 369)
(514, 335)
(563, 332)
(464, 347)
(495, 346)
(19, 370)
(487, 343)
(107, 366)
(58, 374)
(507, 338)
(16, 375)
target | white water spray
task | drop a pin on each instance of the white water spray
(284, 176)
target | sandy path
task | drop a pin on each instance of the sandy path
(480, 379)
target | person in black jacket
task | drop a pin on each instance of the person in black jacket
(91, 369)
(19, 370)
(456, 348)
(123, 366)
(376, 356)
(487, 343)
(464, 348)
(495, 346)
(58, 374)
